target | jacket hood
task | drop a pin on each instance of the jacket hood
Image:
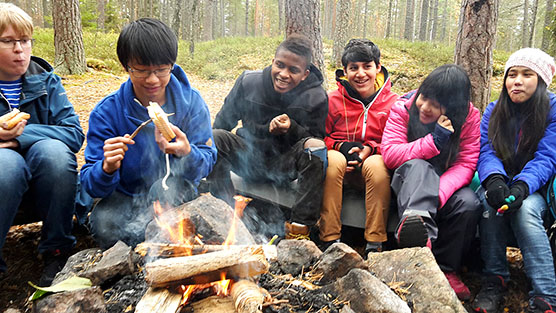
(38, 66)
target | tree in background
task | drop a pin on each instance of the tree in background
(69, 55)
(303, 17)
(341, 35)
(475, 44)
(409, 13)
(548, 37)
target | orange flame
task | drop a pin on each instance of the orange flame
(240, 204)
(181, 233)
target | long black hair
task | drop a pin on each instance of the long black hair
(450, 86)
(508, 119)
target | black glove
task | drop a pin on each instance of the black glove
(520, 191)
(496, 191)
(346, 146)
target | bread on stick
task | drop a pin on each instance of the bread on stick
(160, 120)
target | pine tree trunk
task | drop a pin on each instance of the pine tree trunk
(222, 19)
(434, 20)
(303, 16)
(341, 34)
(366, 18)
(176, 17)
(533, 22)
(45, 12)
(389, 20)
(280, 16)
(546, 33)
(444, 21)
(208, 20)
(474, 46)
(194, 26)
(101, 16)
(132, 11)
(525, 26)
(69, 53)
(408, 32)
(424, 20)
(246, 17)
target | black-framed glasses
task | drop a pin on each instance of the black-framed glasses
(161, 72)
(6, 43)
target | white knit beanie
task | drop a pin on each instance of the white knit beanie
(535, 59)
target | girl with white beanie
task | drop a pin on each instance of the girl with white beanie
(517, 160)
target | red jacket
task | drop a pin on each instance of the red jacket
(364, 125)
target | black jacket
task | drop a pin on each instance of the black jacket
(254, 101)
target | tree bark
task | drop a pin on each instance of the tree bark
(222, 19)
(303, 16)
(533, 22)
(367, 18)
(246, 17)
(408, 32)
(525, 26)
(280, 16)
(101, 16)
(474, 46)
(176, 17)
(434, 20)
(341, 33)
(444, 21)
(208, 20)
(389, 20)
(69, 53)
(424, 20)
(546, 33)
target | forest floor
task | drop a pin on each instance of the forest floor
(20, 250)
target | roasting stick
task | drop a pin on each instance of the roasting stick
(143, 125)
(164, 185)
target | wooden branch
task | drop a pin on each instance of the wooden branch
(206, 268)
(159, 300)
(166, 250)
(248, 297)
(213, 304)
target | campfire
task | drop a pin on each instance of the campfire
(186, 267)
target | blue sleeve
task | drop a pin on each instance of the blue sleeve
(63, 122)
(196, 126)
(543, 165)
(93, 178)
(488, 163)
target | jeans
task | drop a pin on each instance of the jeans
(123, 217)
(525, 227)
(46, 173)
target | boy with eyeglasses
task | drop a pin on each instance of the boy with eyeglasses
(39, 167)
(127, 174)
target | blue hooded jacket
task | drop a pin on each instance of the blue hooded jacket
(538, 170)
(52, 115)
(118, 114)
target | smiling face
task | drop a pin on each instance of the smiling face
(429, 109)
(521, 83)
(361, 76)
(288, 70)
(14, 61)
(152, 87)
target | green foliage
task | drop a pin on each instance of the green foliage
(226, 58)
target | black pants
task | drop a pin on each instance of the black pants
(251, 163)
(451, 228)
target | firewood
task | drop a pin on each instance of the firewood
(159, 300)
(166, 250)
(248, 297)
(213, 304)
(206, 268)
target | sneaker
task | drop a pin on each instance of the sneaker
(539, 305)
(490, 296)
(296, 231)
(412, 232)
(54, 262)
(459, 287)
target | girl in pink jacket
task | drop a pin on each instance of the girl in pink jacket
(431, 141)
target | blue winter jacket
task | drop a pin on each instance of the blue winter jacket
(118, 114)
(538, 170)
(52, 115)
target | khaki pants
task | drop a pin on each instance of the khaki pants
(374, 176)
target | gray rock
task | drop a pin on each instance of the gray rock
(78, 263)
(210, 217)
(297, 255)
(366, 293)
(116, 262)
(346, 309)
(416, 270)
(87, 300)
(337, 261)
(12, 310)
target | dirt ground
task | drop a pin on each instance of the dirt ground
(20, 250)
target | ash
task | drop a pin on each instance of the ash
(299, 298)
(127, 292)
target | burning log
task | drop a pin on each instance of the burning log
(166, 250)
(205, 268)
(159, 300)
(248, 297)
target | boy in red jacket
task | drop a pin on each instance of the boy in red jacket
(357, 113)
